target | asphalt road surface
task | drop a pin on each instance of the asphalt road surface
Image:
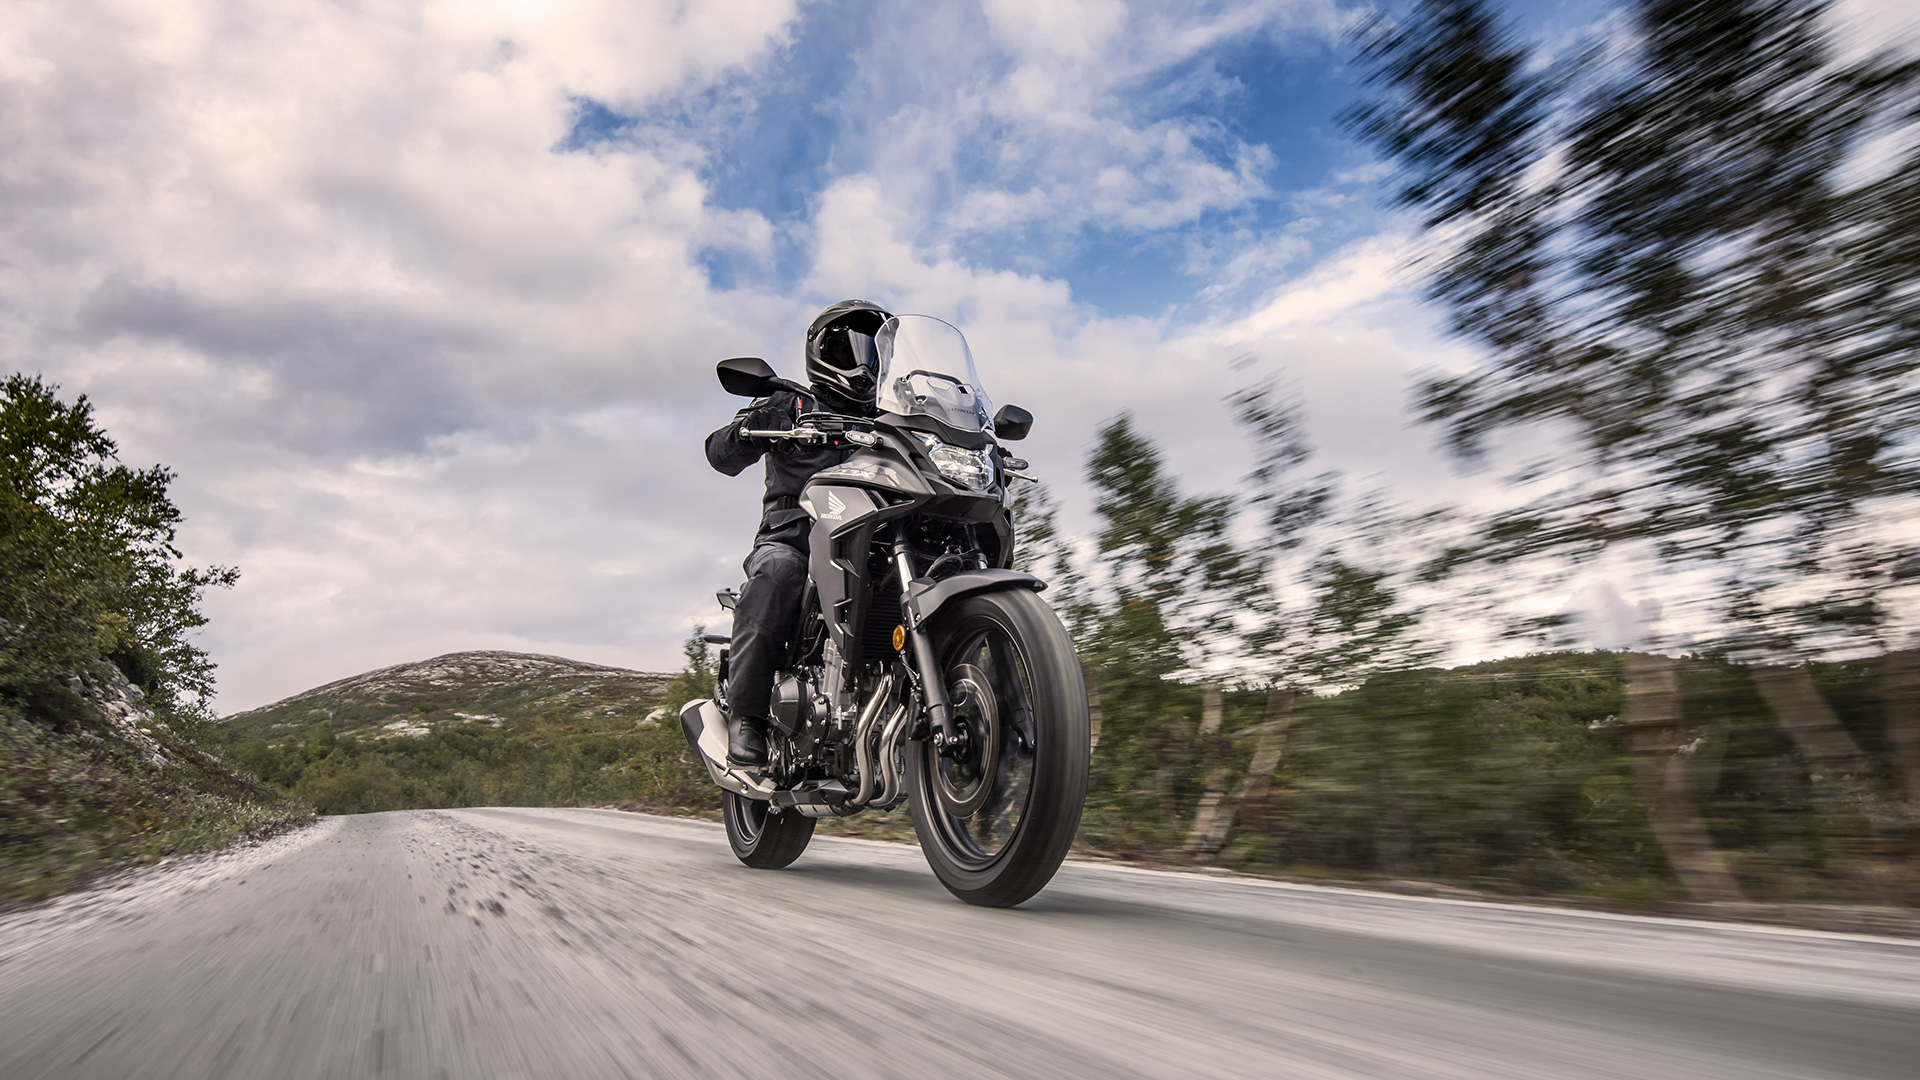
(580, 944)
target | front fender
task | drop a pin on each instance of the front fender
(924, 598)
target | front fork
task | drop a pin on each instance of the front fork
(947, 736)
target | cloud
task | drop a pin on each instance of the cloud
(1867, 26)
(435, 380)
(1045, 119)
(324, 262)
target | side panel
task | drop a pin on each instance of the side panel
(843, 520)
(836, 509)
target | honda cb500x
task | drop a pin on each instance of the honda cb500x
(924, 668)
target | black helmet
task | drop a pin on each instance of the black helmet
(841, 361)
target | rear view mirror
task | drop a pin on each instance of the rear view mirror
(1012, 423)
(746, 376)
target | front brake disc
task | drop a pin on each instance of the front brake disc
(963, 781)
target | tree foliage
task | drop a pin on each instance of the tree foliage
(1171, 550)
(1674, 251)
(1288, 719)
(88, 567)
(91, 588)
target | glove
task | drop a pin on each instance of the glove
(767, 418)
(764, 417)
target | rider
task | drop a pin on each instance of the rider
(840, 371)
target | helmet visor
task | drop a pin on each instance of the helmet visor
(863, 358)
(850, 360)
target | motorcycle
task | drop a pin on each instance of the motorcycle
(925, 669)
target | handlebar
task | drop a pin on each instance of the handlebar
(813, 435)
(1014, 468)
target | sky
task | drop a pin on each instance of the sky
(421, 299)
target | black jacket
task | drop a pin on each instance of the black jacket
(788, 466)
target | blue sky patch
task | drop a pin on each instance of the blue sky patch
(830, 103)
(593, 124)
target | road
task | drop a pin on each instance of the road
(580, 944)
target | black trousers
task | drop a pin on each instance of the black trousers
(764, 622)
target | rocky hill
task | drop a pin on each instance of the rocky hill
(482, 687)
(477, 729)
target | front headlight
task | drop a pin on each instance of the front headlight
(967, 468)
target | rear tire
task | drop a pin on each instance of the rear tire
(1010, 847)
(761, 838)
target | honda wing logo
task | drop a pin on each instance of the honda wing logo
(835, 508)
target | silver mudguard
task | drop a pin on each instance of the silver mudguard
(923, 599)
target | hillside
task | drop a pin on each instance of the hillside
(91, 778)
(482, 687)
(1521, 775)
(102, 688)
(472, 729)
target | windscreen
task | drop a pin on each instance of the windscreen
(926, 369)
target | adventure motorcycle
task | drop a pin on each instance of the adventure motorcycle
(925, 668)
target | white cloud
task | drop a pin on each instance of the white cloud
(1061, 91)
(1867, 26)
(432, 385)
(323, 262)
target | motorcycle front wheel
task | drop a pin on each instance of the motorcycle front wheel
(995, 820)
(761, 838)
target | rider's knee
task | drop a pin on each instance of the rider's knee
(779, 563)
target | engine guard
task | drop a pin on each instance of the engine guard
(705, 727)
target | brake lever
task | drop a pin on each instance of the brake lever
(788, 435)
(857, 438)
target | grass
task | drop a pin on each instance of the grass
(77, 803)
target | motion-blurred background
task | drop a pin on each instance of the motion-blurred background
(1478, 440)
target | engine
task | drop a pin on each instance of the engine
(792, 705)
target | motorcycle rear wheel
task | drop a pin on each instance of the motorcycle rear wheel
(1007, 849)
(760, 838)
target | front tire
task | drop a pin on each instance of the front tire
(761, 838)
(1028, 742)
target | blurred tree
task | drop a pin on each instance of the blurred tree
(1677, 253)
(1172, 584)
(695, 680)
(1681, 252)
(1285, 505)
(1345, 565)
(1042, 549)
(1162, 548)
(1330, 606)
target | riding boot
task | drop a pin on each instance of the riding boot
(747, 741)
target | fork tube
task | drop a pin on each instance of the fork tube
(939, 709)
